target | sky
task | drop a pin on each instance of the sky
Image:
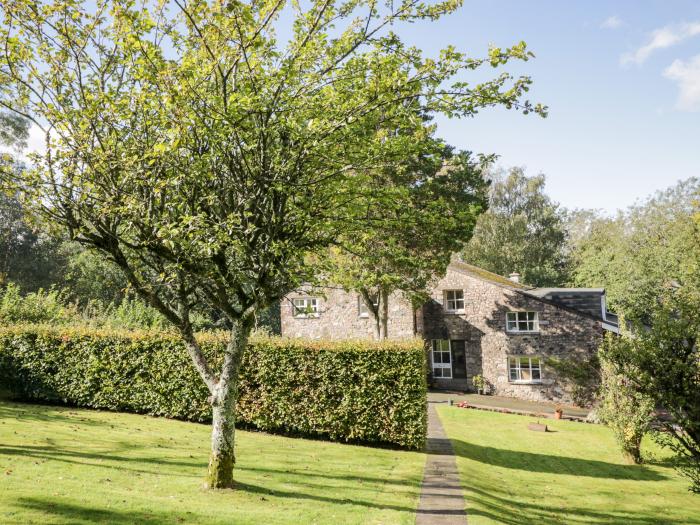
(621, 79)
(622, 82)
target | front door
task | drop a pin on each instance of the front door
(459, 362)
(448, 359)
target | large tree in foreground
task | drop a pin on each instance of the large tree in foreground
(439, 196)
(211, 161)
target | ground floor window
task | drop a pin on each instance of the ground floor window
(362, 309)
(442, 359)
(525, 369)
(305, 307)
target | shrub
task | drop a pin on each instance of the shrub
(345, 391)
(35, 307)
(628, 412)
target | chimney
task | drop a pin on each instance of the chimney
(515, 277)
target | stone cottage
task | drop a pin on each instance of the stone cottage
(475, 323)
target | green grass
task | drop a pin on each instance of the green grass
(60, 465)
(573, 475)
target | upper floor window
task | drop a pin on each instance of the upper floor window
(305, 307)
(522, 322)
(524, 369)
(454, 300)
(362, 309)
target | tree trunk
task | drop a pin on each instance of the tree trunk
(632, 452)
(383, 315)
(222, 457)
(223, 402)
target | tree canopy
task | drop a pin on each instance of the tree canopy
(438, 199)
(212, 161)
(641, 253)
(522, 231)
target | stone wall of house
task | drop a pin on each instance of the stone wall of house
(339, 317)
(483, 327)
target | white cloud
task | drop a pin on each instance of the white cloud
(612, 22)
(660, 39)
(687, 76)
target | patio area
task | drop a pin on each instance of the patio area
(506, 404)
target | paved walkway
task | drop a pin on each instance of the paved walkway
(441, 499)
(510, 404)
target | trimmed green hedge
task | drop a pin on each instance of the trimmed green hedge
(346, 391)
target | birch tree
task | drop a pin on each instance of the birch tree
(210, 159)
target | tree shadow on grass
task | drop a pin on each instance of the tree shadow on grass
(309, 482)
(551, 464)
(497, 506)
(46, 413)
(315, 497)
(323, 476)
(75, 513)
(54, 453)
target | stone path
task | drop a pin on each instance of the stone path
(441, 499)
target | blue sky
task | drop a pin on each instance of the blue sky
(622, 82)
(621, 79)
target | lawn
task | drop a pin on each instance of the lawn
(61, 465)
(573, 475)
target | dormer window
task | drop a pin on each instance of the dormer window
(522, 322)
(305, 307)
(454, 301)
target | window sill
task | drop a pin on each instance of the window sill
(536, 382)
(523, 332)
(454, 312)
(363, 316)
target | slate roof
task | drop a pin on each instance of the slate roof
(485, 275)
(545, 295)
(542, 292)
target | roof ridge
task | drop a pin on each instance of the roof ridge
(486, 275)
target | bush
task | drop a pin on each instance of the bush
(35, 307)
(345, 391)
(628, 412)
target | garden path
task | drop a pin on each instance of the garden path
(441, 499)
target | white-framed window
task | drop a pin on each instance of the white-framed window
(442, 359)
(522, 322)
(362, 309)
(305, 307)
(454, 300)
(524, 369)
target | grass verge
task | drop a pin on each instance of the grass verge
(62, 465)
(574, 474)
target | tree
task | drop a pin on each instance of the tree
(641, 252)
(26, 253)
(439, 198)
(663, 360)
(213, 162)
(522, 231)
(626, 410)
(14, 130)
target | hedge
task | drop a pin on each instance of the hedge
(345, 391)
